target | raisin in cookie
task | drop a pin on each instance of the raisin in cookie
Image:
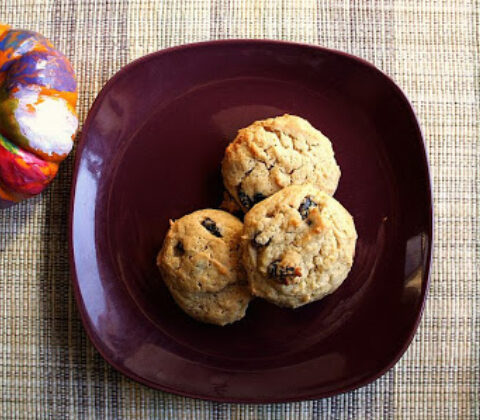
(275, 153)
(298, 246)
(200, 264)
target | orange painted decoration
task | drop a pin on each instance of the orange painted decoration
(29, 61)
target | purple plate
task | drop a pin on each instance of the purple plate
(151, 151)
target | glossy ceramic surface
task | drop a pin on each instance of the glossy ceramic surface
(151, 150)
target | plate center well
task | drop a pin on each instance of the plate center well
(171, 166)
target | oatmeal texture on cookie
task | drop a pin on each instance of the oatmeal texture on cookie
(200, 264)
(298, 246)
(274, 153)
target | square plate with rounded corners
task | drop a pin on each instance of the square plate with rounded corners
(151, 150)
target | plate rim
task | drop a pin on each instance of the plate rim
(80, 303)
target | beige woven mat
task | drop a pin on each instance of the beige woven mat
(431, 48)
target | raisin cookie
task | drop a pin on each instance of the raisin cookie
(275, 153)
(200, 264)
(298, 246)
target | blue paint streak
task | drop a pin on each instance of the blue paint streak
(43, 69)
(20, 42)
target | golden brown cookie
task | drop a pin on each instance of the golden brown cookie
(298, 246)
(275, 153)
(199, 262)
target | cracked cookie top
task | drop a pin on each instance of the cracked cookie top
(275, 153)
(298, 246)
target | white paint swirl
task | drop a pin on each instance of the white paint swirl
(46, 121)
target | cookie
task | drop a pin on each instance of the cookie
(200, 264)
(275, 153)
(298, 246)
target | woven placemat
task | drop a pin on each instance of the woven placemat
(48, 368)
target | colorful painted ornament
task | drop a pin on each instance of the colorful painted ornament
(38, 121)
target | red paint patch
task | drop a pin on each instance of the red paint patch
(22, 172)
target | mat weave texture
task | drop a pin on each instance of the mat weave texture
(48, 368)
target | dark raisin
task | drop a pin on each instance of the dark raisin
(257, 198)
(211, 226)
(179, 250)
(281, 274)
(257, 244)
(304, 208)
(244, 199)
